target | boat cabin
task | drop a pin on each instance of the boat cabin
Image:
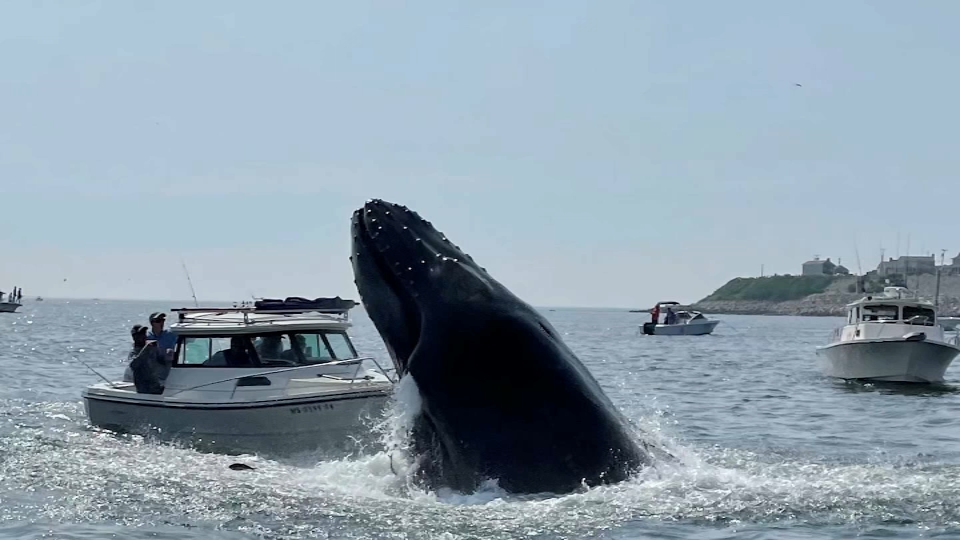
(262, 336)
(895, 313)
(896, 305)
(681, 316)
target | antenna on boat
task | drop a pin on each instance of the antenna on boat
(189, 282)
(936, 296)
(861, 282)
(856, 251)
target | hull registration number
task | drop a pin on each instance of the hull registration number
(312, 408)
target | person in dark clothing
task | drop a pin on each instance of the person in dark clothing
(235, 356)
(139, 335)
(148, 366)
(270, 347)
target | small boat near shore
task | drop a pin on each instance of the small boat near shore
(278, 377)
(678, 323)
(894, 337)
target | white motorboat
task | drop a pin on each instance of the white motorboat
(678, 323)
(279, 377)
(949, 323)
(10, 304)
(894, 336)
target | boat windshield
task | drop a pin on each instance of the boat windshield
(919, 315)
(267, 349)
(881, 312)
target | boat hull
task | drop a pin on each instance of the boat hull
(692, 329)
(8, 307)
(887, 360)
(277, 427)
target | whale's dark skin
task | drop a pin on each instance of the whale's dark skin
(502, 396)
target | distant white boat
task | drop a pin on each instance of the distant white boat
(949, 323)
(685, 323)
(893, 337)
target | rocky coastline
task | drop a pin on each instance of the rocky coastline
(831, 303)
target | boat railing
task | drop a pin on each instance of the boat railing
(358, 360)
(213, 315)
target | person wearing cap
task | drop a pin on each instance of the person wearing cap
(148, 366)
(139, 335)
(166, 340)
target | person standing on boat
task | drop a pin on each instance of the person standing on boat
(166, 340)
(139, 335)
(656, 314)
(671, 317)
(148, 368)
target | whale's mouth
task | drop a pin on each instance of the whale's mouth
(388, 301)
(404, 268)
(402, 265)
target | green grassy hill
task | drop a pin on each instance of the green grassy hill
(772, 288)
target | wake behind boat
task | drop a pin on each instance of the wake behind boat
(277, 376)
(677, 323)
(889, 337)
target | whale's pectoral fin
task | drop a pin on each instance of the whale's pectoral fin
(425, 445)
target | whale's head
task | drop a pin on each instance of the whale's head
(408, 272)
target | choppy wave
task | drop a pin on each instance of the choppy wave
(57, 474)
(55, 469)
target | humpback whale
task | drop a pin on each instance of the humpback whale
(502, 396)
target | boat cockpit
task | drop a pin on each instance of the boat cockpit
(264, 349)
(884, 312)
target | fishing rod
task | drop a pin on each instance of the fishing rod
(856, 251)
(108, 381)
(936, 301)
(190, 282)
(861, 279)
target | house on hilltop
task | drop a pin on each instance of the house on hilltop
(908, 265)
(953, 268)
(817, 267)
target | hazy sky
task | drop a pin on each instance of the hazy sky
(586, 153)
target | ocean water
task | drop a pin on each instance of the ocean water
(766, 447)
